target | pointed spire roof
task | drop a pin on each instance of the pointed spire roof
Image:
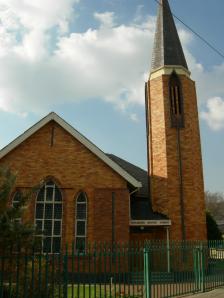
(167, 47)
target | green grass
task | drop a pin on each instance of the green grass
(96, 292)
(86, 292)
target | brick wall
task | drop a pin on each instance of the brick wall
(152, 233)
(163, 158)
(74, 168)
(104, 211)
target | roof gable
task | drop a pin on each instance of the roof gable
(83, 140)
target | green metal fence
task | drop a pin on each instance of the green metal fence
(153, 269)
(182, 268)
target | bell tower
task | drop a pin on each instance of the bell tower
(174, 148)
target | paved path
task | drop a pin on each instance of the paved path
(218, 293)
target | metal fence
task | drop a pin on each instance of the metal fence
(153, 269)
(181, 268)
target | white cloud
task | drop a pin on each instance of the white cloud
(134, 117)
(25, 25)
(214, 116)
(109, 63)
(34, 46)
(106, 19)
(138, 14)
(209, 83)
(7, 41)
(43, 14)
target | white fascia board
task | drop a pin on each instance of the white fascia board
(94, 149)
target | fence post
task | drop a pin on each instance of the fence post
(199, 269)
(196, 269)
(202, 265)
(65, 273)
(147, 274)
(1, 276)
(168, 248)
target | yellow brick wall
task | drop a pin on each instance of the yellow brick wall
(163, 158)
(75, 169)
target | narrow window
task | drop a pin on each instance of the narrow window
(176, 101)
(48, 217)
(81, 222)
(16, 200)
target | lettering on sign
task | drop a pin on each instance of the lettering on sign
(150, 222)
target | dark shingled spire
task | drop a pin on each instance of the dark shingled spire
(167, 47)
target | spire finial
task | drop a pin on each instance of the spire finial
(167, 49)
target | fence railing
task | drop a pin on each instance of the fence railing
(182, 268)
(152, 269)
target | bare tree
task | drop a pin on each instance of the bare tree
(215, 204)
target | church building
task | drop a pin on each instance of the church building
(87, 195)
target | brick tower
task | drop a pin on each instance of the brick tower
(175, 162)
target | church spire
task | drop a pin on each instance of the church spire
(167, 49)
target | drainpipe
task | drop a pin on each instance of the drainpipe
(180, 170)
(168, 248)
(113, 218)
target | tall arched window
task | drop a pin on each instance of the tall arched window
(16, 198)
(176, 101)
(48, 216)
(15, 201)
(81, 222)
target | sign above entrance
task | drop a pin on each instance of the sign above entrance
(150, 223)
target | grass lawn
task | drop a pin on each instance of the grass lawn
(98, 292)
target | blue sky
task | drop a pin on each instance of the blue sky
(87, 60)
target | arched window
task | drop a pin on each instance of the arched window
(81, 222)
(48, 216)
(16, 198)
(15, 201)
(176, 101)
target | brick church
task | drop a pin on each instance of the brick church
(87, 195)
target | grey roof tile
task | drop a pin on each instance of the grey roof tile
(138, 173)
(167, 46)
(142, 176)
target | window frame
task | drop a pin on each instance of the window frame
(53, 185)
(81, 220)
(176, 102)
(18, 219)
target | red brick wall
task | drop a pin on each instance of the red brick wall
(163, 158)
(75, 169)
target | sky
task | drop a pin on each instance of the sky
(87, 60)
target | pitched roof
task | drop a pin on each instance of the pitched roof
(138, 173)
(167, 46)
(94, 149)
(143, 192)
